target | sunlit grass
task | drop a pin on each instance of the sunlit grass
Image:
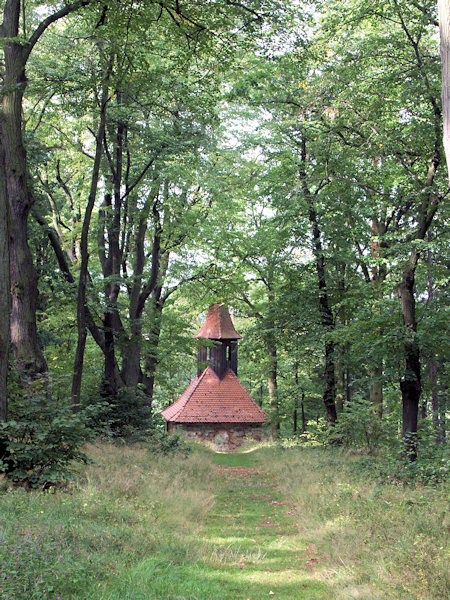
(375, 540)
(298, 523)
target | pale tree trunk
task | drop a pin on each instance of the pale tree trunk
(376, 391)
(434, 398)
(4, 293)
(444, 28)
(348, 386)
(340, 379)
(302, 405)
(295, 416)
(443, 408)
(378, 277)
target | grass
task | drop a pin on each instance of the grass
(289, 524)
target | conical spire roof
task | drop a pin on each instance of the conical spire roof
(218, 325)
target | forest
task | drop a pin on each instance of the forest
(287, 158)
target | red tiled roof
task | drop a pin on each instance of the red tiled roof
(218, 325)
(209, 399)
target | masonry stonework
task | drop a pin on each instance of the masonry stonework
(223, 437)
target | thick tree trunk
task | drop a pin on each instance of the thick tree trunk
(444, 28)
(23, 277)
(152, 358)
(410, 384)
(131, 366)
(4, 292)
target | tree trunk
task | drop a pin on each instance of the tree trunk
(4, 292)
(410, 384)
(434, 398)
(152, 359)
(327, 320)
(82, 282)
(23, 276)
(131, 367)
(444, 28)
(272, 382)
(340, 380)
(443, 403)
(348, 386)
(295, 416)
(376, 391)
(303, 413)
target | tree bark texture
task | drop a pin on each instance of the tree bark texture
(272, 382)
(4, 291)
(272, 371)
(340, 379)
(376, 391)
(444, 28)
(23, 276)
(410, 385)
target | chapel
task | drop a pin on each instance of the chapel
(215, 407)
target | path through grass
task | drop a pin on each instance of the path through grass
(249, 548)
(292, 524)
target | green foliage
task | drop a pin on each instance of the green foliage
(126, 416)
(161, 442)
(43, 436)
(359, 427)
(28, 565)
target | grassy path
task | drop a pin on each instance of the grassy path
(295, 525)
(252, 524)
(249, 546)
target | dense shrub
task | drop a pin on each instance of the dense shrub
(358, 426)
(127, 415)
(43, 436)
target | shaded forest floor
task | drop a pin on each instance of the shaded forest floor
(289, 524)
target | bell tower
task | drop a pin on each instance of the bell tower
(218, 327)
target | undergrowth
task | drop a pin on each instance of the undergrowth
(374, 538)
(144, 515)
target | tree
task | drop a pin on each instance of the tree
(17, 50)
(4, 292)
(444, 28)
